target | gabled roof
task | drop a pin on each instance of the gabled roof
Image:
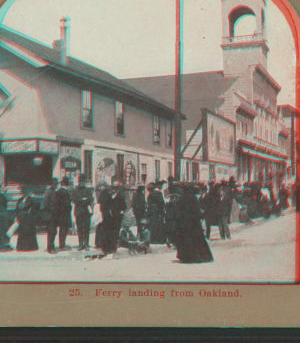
(262, 71)
(77, 67)
(199, 90)
(289, 111)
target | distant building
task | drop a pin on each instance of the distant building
(60, 116)
(244, 93)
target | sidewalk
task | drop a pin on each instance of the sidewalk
(72, 241)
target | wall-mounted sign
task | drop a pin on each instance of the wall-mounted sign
(49, 147)
(69, 140)
(70, 163)
(67, 150)
(15, 147)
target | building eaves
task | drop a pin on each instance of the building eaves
(260, 69)
(289, 111)
(80, 69)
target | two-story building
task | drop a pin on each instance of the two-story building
(243, 92)
(60, 116)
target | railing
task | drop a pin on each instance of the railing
(259, 37)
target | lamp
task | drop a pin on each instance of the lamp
(37, 161)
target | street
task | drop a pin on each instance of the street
(263, 252)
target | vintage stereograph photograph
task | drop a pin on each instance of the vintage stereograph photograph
(148, 141)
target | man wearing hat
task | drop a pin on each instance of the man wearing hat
(63, 213)
(83, 199)
(49, 211)
(139, 205)
(118, 207)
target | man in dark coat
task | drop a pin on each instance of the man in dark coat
(49, 210)
(63, 213)
(82, 198)
(139, 205)
(118, 207)
(210, 203)
(156, 211)
(104, 231)
(224, 210)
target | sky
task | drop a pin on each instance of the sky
(134, 38)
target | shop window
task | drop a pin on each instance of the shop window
(156, 129)
(87, 110)
(88, 165)
(170, 168)
(119, 118)
(157, 169)
(169, 134)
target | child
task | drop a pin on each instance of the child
(144, 238)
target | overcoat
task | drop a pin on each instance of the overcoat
(192, 246)
(63, 208)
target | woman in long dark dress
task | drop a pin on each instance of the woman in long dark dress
(192, 246)
(105, 234)
(27, 215)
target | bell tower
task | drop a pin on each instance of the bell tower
(239, 52)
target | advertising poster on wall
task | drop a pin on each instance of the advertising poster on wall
(105, 162)
(112, 165)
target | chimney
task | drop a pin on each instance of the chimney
(65, 39)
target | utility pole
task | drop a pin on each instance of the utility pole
(178, 92)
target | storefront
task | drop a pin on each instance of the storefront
(30, 161)
(255, 165)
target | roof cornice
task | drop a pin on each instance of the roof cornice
(22, 53)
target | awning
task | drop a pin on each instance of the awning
(262, 155)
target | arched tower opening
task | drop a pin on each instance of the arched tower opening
(236, 16)
(244, 41)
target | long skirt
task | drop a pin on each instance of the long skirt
(27, 240)
(193, 248)
(105, 237)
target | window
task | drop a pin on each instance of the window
(169, 134)
(156, 130)
(170, 169)
(88, 165)
(157, 170)
(144, 172)
(87, 109)
(119, 119)
(255, 130)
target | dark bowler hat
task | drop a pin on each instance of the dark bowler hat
(65, 181)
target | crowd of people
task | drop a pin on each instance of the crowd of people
(178, 214)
